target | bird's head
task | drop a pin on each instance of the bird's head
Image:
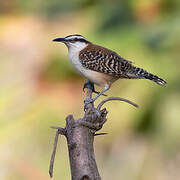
(74, 41)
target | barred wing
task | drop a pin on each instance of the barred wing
(105, 61)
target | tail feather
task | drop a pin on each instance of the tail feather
(156, 79)
(141, 74)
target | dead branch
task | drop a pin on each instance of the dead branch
(53, 154)
(80, 139)
(115, 98)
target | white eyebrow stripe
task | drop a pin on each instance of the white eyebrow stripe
(74, 36)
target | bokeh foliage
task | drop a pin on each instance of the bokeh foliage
(39, 87)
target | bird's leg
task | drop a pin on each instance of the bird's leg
(90, 85)
(106, 88)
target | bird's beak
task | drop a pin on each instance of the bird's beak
(59, 39)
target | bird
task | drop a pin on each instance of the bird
(102, 66)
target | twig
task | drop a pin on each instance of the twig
(115, 98)
(53, 154)
(99, 134)
(61, 130)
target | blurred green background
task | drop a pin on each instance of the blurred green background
(39, 87)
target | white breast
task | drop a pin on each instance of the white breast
(73, 54)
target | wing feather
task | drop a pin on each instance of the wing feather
(103, 60)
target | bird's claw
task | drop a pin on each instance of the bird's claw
(88, 101)
(90, 85)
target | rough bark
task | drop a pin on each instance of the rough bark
(80, 138)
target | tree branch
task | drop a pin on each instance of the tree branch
(80, 138)
(53, 154)
(115, 98)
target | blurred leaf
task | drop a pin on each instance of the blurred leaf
(115, 14)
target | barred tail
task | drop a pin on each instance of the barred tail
(156, 79)
(141, 73)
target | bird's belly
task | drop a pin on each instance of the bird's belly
(98, 78)
(101, 79)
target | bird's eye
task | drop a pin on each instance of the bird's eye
(75, 39)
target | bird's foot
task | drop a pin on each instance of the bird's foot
(90, 85)
(88, 101)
